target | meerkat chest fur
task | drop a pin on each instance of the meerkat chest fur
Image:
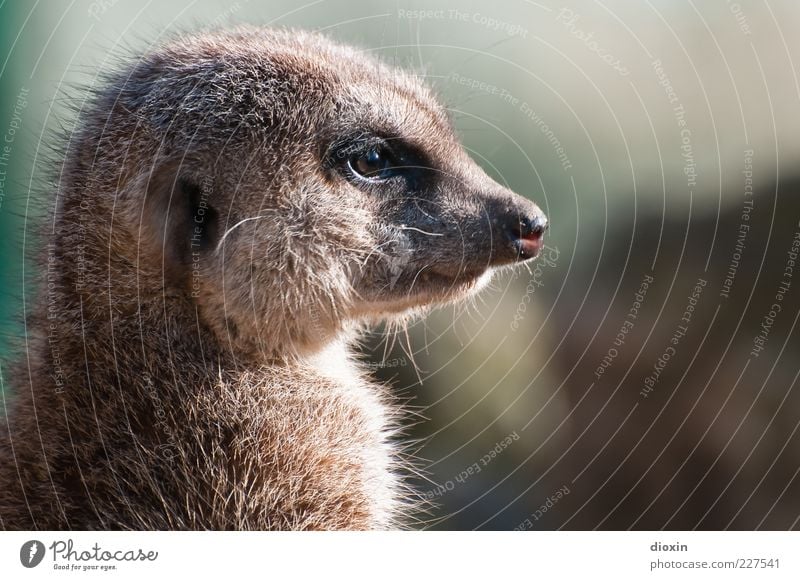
(318, 437)
(375, 444)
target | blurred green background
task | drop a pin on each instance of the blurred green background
(630, 124)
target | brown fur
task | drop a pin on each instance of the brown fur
(212, 259)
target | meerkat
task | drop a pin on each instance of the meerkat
(232, 210)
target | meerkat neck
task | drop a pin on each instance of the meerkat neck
(335, 361)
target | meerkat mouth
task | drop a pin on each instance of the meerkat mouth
(428, 287)
(442, 282)
(529, 245)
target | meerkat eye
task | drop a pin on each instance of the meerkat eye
(375, 163)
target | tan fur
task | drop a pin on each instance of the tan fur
(213, 257)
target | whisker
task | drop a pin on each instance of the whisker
(233, 227)
(413, 282)
(404, 227)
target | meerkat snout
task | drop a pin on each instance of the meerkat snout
(517, 227)
(526, 233)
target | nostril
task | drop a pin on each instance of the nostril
(526, 235)
(529, 228)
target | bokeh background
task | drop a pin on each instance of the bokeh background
(639, 374)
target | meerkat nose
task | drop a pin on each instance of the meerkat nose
(525, 232)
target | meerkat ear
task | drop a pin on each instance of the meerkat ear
(179, 218)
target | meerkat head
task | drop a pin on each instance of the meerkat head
(293, 186)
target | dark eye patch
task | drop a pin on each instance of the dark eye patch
(373, 160)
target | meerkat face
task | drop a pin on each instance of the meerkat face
(318, 186)
(435, 225)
